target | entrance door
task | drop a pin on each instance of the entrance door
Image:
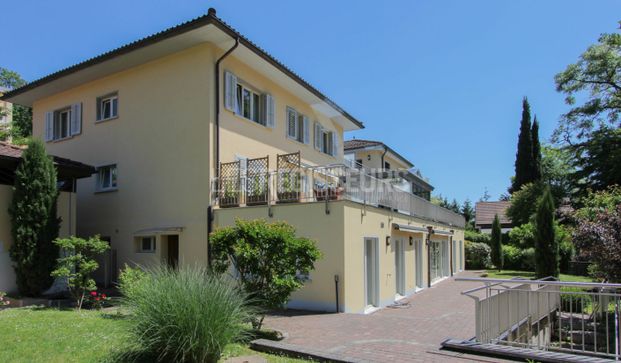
(419, 264)
(371, 272)
(400, 267)
(172, 257)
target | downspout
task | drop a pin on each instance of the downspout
(384, 154)
(429, 232)
(210, 214)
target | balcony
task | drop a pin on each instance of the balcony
(254, 184)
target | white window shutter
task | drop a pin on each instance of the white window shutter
(335, 144)
(49, 126)
(318, 136)
(268, 106)
(306, 130)
(292, 123)
(230, 88)
(76, 119)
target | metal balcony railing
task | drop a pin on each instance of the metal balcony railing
(325, 183)
(549, 315)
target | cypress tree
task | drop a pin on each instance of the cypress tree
(546, 246)
(34, 223)
(524, 155)
(534, 132)
(497, 257)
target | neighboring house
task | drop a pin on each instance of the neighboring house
(6, 113)
(385, 163)
(68, 172)
(485, 213)
(196, 126)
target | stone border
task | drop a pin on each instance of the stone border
(295, 351)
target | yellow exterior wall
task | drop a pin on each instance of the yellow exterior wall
(246, 138)
(372, 159)
(66, 209)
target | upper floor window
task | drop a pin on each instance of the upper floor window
(63, 123)
(298, 127)
(326, 141)
(107, 107)
(386, 165)
(106, 178)
(248, 103)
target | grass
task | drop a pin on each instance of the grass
(52, 335)
(508, 274)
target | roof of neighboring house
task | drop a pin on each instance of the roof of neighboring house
(200, 22)
(10, 156)
(486, 211)
(355, 144)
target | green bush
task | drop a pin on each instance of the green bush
(130, 277)
(186, 315)
(528, 259)
(522, 236)
(512, 257)
(478, 255)
(575, 300)
(474, 236)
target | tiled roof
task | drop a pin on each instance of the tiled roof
(485, 212)
(14, 152)
(359, 143)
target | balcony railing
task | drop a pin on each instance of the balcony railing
(548, 315)
(324, 183)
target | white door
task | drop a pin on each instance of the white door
(419, 263)
(400, 266)
(371, 273)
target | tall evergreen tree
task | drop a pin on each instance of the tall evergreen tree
(497, 257)
(546, 246)
(467, 211)
(534, 133)
(34, 223)
(524, 155)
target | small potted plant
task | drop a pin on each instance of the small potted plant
(230, 197)
(324, 191)
(289, 192)
(257, 193)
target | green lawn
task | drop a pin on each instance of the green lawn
(508, 274)
(51, 335)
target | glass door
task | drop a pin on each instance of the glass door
(371, 272)
(435, 260)
(400, 267)
(419, 264)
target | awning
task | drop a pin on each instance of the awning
(442, 233)
(408, 228)
(158, 230)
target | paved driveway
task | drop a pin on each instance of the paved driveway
(391, 334)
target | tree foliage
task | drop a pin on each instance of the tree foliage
(546, 245)
(524, 203)
(34, 223)
(524, 155)
(534, 132)
(558, 170)
(21, 126)
(596, 77)
(467, 211)
(268, 259)
(78, 263)
(497, 255)
(598, 159)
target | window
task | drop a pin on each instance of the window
(326, 141)
(298, 126)
(146, 244)
(106, 178)
(61, 123)
(107, 107)
(386, 165)
(359, 163)
(249, 104)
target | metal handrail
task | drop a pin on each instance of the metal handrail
(541, 281)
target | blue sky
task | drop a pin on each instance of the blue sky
(439, 81)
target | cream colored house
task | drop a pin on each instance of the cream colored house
(68, 172)
(195, 126)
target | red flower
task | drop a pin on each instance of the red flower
(96, 299)
(103, 296)
(93, 293)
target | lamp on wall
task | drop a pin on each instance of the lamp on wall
(411, 241)
(369, 157)
(387, 240)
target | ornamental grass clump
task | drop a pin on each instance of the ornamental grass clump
(186, 315)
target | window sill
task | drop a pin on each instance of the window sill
(249, 120)
(109, 190)
(298, 141)
(106, 119)
(146, 252)
(62, 139)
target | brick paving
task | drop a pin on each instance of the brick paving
(411, 334)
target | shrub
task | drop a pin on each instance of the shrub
(78, 263)
(478, 255)
(270, 261)
(474, 236)
(496, 244)
(575, 300)
(185, 315)
(512, 257)
(523, 236)
(528, 259)
(2, 301)
(130, 277)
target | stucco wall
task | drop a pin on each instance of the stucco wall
(66, 211)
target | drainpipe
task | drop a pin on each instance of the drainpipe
(429, 232)
(217, 141)
(384, 154)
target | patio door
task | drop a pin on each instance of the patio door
(419, 263)
(435, 256)
(400, 267)
(371, 272)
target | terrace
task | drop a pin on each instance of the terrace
(251, 182)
